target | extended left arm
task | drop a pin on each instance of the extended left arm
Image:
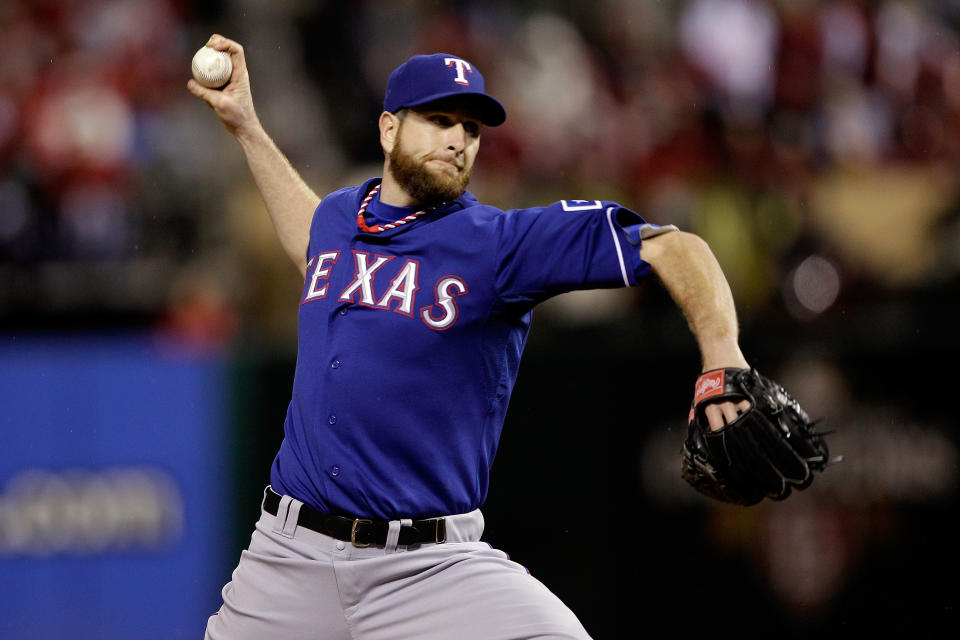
(692, 276)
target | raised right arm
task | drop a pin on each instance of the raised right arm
(290, 202)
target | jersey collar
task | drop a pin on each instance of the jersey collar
(378, 212)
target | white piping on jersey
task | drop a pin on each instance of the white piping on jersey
(616, 241)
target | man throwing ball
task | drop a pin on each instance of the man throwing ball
(414, 313)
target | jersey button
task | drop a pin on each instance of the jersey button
(343, 312)
(334, 471)
(332, 419)
(335, 364)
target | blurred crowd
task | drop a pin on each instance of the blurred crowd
(814, 144)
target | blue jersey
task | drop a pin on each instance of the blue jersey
(410, 341)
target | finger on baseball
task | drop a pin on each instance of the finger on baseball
(235, 49)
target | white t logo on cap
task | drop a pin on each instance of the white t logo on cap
(461, 65)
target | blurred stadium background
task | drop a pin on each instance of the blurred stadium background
(148, 317)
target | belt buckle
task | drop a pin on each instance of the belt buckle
(353, 533)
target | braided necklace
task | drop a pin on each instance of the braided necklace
(362, 222)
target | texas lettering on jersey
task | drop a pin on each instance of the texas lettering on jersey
(398, 296)
(410, 339)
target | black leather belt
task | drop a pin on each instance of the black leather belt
(361, 532)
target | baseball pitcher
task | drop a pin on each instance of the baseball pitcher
(415, 309)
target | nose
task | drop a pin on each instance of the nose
(456, 138)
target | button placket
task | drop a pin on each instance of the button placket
(332, 418)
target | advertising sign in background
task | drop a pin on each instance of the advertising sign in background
(112, 507)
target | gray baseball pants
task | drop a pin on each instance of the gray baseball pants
(294, 583)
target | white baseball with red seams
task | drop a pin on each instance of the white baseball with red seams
(211, 68)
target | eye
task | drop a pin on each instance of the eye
(441, 120)
(472, 128)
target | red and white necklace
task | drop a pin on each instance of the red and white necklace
(362, 222)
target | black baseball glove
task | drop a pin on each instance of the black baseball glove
(769, 450)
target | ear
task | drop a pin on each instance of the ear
(389, 126)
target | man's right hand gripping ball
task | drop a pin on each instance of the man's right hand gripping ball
(769, 450)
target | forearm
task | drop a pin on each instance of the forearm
(289, 201)
(692, 276)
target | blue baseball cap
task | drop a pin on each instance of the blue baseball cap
(426, 78)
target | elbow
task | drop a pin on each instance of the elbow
(692, 242)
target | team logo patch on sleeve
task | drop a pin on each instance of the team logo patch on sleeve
(581, 205)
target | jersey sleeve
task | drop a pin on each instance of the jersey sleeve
(570, 245)
(329, 205)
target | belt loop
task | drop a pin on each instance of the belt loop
(282, 511)
(293, 518)
(440, 532)
(267, 491)
(393, 535)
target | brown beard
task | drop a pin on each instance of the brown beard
(426, 188)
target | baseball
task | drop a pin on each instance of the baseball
(211, 68)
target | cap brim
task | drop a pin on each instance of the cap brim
(487, 110)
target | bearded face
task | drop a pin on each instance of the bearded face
(427, 185)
